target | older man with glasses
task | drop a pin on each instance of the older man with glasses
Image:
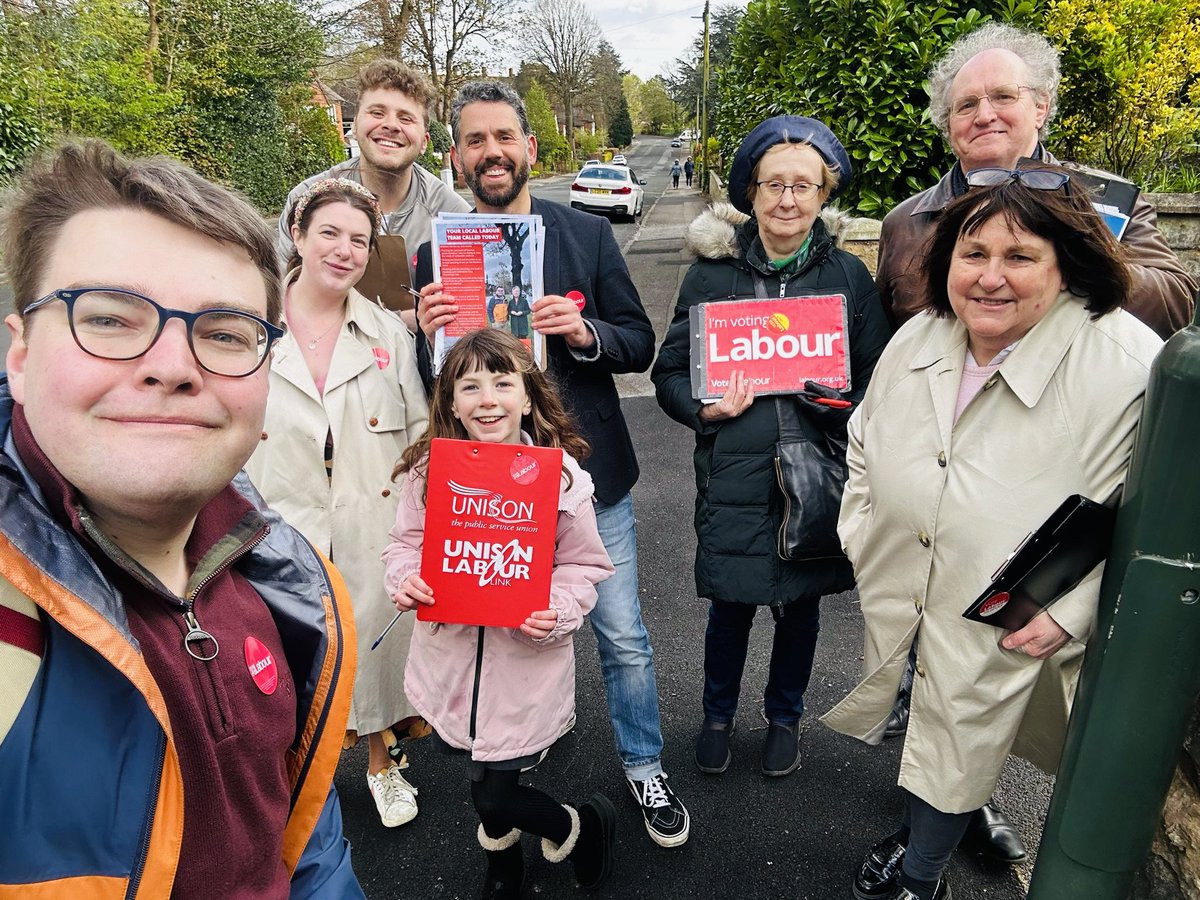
(993, 95)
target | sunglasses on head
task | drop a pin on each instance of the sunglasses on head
(1037, 179)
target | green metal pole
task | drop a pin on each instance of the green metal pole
(1141, 671)
(704, 170)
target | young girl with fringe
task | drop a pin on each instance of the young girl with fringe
(491, 390)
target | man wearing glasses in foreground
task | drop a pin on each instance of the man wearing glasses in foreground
(177, 661)
(993, 95)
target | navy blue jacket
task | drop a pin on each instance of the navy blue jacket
(582, 255)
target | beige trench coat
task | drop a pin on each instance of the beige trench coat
(374, 403)
(932, 508)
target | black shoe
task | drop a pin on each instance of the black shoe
(781, 751)
(505, 874)
(596, 844)
(897, 722)
(992, 835)
(942, 892)
(879, 875)
(712, 747)
(666, 817)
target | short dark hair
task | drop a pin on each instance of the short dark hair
(80, 176)
(488, 92)
(1091, 261)
(393, 75)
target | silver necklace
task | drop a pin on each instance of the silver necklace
(312, 345)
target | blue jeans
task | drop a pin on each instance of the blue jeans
(626, 657)
(726, 642)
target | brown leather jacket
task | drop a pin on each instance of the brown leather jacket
(1162, 294)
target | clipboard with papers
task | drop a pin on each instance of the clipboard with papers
(1049, 563)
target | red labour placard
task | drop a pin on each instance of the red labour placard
(490, 523)
(779, 344)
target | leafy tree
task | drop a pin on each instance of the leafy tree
(659, 111)
(1130, 100)
(620, 131)
(631, 88)
(859, 66)
(552, 146)
(686, 83)
(605, 92)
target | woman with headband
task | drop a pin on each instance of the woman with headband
(345, 401)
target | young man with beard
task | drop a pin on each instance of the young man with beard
(392, 129)
(595, 327)
(176, 661)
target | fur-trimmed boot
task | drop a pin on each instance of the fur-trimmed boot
(591, 845)
(506, 866)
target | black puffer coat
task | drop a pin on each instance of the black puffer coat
(738, 505)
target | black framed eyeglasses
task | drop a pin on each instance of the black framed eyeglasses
(1037, 179)
(113, 323)
(801, 190)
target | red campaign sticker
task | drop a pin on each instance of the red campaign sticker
(414, 261)
(382, 357)
(577, 298)
(994, 603)
(524, 469)
(262, 666)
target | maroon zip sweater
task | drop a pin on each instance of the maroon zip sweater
(230, 734)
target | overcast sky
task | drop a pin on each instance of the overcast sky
(649, 35)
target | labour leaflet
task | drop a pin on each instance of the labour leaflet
(492, 266)
(779, 344)
(491, 514)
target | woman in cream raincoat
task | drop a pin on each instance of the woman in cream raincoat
(1020, 386)
(345, 402)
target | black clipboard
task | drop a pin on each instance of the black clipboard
(1047, 564)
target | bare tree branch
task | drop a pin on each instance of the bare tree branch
(562, 36)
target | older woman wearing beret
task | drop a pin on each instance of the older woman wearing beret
(1021, 385)
(772, 241)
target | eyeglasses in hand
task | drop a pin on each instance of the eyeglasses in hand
(113, 323)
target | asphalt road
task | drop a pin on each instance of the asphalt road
(753, 837)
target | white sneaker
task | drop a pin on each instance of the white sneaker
(395, 798)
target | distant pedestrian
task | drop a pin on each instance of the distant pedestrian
(492, 391)
(676, 171)
(689, 169)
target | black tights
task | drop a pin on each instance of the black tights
(503, 804)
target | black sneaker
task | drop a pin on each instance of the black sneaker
(712, 747)
(666, 817)
(879, 876)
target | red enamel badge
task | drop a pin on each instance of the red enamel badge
(994, 603)
(524, 469)
(262, 666)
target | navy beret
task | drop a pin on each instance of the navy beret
(782, 130)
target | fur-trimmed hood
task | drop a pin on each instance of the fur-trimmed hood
(714, 233)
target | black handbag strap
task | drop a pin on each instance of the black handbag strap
(789, 421)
